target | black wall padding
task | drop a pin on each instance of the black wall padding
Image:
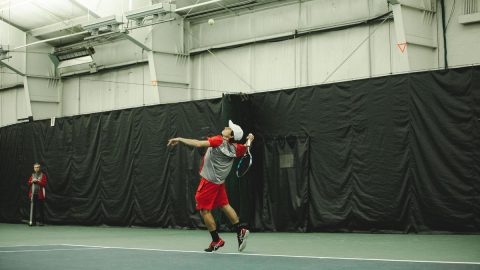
(398, 153)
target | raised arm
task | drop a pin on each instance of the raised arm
(191, 142)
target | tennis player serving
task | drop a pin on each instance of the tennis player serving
(216, 166)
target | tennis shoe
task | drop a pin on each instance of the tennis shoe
(214, 246)
(242, 239)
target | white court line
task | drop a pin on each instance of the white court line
(277, 255)
(31, 245)
(47, 250)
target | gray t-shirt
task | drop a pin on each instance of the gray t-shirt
(218, 159)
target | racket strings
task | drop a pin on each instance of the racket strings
(243, 165)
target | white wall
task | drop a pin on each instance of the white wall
(10, 38)
(312, 59)
(110, 90)
(12, 101)
(462, 40)
(12, 106)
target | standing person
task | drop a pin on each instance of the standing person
(216, 166)
(37, 183)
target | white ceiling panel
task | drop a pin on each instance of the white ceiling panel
(31, 14)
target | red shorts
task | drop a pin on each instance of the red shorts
(210, 195)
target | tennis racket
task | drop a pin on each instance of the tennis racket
(31, 204)
(245, 162)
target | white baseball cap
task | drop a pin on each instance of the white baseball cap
(237, 130)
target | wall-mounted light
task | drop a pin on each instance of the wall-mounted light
(72, 54)
(74, 57)
(75, 62)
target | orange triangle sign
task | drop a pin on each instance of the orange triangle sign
(402, 46)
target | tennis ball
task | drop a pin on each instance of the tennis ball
(211, 21)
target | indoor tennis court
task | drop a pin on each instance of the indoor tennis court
(239, 134)
(73, 247)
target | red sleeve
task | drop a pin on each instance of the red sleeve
(43, 182)
(241, 150)
(215, 141)
(30, 181)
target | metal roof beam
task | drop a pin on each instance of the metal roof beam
(60, 26)
(3, 19)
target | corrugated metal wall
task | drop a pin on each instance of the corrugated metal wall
(12, 106)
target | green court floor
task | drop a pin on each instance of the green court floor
(77, 247)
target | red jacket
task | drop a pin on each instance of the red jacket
(43, 183)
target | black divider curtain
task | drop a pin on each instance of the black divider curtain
(398, 153)
(285, 173)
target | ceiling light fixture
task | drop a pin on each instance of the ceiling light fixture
(103, 25)
(153, 11)
(197, 5)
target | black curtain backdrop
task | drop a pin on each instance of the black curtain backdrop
(391, 154)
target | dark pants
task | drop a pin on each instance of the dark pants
(37, 210)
